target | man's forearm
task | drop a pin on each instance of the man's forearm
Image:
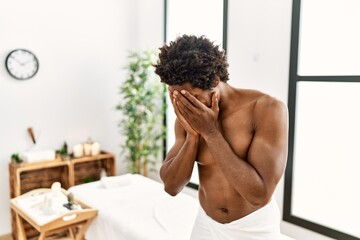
(241, 175)
(176, 171)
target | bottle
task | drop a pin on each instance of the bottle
(103, 173)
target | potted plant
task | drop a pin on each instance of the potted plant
(142, 108)
(63, 152)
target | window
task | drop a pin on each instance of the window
(197, 17)
(322, 178)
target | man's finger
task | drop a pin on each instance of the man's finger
(176, 108)
(182, 119)
(184, 101)
(183, 109)
(182, 113)
(171, 96)
(192, 99)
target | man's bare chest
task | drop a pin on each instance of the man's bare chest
(237, 131)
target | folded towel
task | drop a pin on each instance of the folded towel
(117, 181)
(283, 237)
(35, 156)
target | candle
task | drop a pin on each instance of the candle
(95, 149)
(78, 150)
(87, 148)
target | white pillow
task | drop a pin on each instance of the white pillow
(117, 181)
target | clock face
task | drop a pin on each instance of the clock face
(22, 64)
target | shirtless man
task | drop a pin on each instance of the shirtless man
(237, 137)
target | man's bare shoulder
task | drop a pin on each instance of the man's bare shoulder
(251, 94)
(267, 107)
(257, 97)
(261, 103)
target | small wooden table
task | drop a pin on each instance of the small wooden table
(75, 222)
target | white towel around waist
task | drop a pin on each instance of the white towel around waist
(263, 224)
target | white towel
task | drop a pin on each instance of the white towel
(117, 181)
(36, 156)
(284, 237)
(263, 224)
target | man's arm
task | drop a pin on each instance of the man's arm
(256, 178)
(179, 162)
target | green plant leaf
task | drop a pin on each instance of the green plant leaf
(142, 107)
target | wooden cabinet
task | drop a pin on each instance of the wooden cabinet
(25, 177)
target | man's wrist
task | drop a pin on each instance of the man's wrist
(192, 137)
(211, 134)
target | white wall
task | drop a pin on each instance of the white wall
(82, 47)
(259, 56)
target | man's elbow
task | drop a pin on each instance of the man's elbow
(171, 190)
(261, 199)
(172, 186)
(260, 202)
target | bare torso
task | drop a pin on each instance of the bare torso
(238, 142)
(217, 197)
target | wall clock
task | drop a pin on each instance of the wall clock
(21, 64)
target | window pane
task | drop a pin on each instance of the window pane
(197, 17)
(329, 38)
(326, 172)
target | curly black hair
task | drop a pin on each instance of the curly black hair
(194, 60)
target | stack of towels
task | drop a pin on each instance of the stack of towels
(36, 156)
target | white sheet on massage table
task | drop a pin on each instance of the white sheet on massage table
(138, 209)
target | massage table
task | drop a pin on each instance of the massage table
(134, 207)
